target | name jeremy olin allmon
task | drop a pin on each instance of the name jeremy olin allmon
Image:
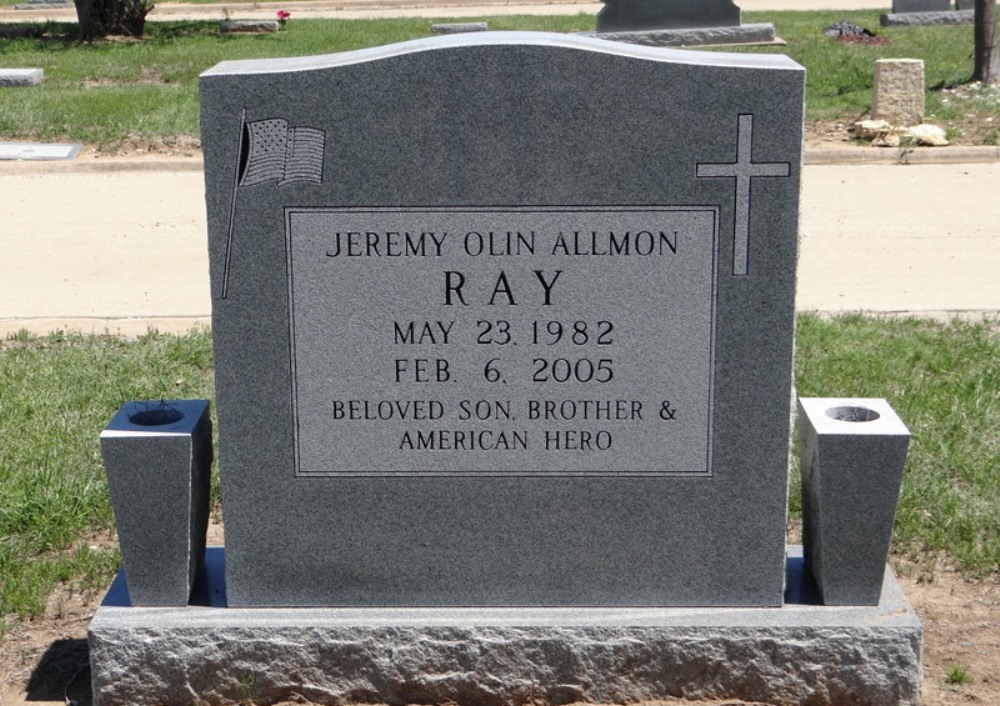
(640, 243)
(478, 438)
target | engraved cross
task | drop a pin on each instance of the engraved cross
(743, 170)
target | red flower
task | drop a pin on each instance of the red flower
(283, 15)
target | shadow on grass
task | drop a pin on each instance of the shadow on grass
(62, 674)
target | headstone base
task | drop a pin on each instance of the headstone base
(920, 19)
(212, 654)
(761, 33)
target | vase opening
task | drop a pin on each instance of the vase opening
(852, 414)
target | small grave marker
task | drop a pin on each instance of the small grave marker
(898, 96)
(21, 77)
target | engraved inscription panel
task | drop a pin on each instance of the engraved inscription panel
(574, 341)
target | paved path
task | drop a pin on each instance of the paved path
(123, 247)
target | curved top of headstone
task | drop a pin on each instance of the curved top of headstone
(547, 39)
(637, 15)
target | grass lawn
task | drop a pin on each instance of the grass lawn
(58, 392)
(114, 92)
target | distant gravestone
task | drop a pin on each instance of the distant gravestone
(249, 26)
(22, 77)
(898, 93)
(631, 15)
(928, 19)
(459, 27)
(523, 346)
(901, 6)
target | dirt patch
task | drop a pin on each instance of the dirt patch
(961, 621)
(44, 662)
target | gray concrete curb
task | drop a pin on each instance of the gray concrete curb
(901, 155)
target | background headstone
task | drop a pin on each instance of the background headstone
(901, 6)
(22, 77)
(442, 381)
(898, 95)
(631, 15)
(459, 27)
(251, 26)
(928, 19)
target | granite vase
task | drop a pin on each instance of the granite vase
(852, 455)
(158, 458)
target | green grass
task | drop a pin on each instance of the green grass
(944, 382)
(105, 92)
(58, 392)
(840, 75)
(957, 676)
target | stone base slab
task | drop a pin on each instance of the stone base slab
(761, 33)
(920, 19)
(211, 654)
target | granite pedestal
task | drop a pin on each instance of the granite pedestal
(758, 33)
(211, 654)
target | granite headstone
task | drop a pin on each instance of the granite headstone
(504, 319)
(21, 77)
(633, 15)
(900, 6)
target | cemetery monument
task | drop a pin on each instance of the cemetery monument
(503, 328)
(907, 13)
(679, 23)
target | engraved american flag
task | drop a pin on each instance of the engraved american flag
(272, 151)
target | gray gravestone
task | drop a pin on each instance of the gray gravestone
(634, 15)
(503, 319)
(928, 19)
(22, 77)
(900, 6)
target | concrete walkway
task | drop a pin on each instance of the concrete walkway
(120, 245)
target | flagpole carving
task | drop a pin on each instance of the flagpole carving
(269, 151)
